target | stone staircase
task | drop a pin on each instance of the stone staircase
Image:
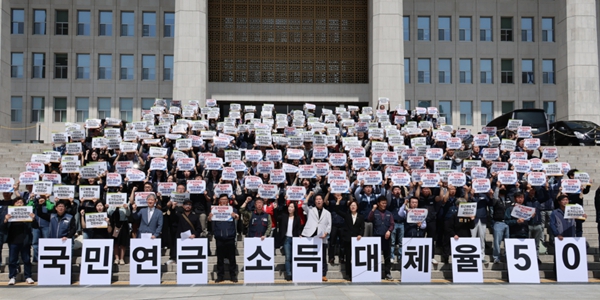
(587, 159)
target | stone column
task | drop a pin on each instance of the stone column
(5, 93)
(191, 50)
(577, 61)
(387, 51)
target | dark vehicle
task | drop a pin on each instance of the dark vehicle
(533, 117)
(576, 133)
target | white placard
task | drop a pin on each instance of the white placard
(416, 215)
(96, 262)
(221, 213)
(96, 220)
(113, 180)
(192, 261)
(521, 261)
(307, 261)
(416, 260)
(116, 199)
(467, 210)
(574, 211)
(145, 261)
(20, 213)
(571, 260)
(457, 179)
(42, 188)
(466, 260)
(522, 212)
(571, 186)
(259, 260)
(507, 177)
(366, 259)
(481, 185)
(88, 192)
(54, 262)
(7, 184)
(295, 193)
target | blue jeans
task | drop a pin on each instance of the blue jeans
(13, 260)
(500, 233)
(397, 235)
(41, 233)
(287, 249)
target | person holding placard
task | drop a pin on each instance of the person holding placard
(457, 227)
(225, 233)
(412, 229)
(19, 237)
(366, 199)
(501, 230)
(560, 226)
(318, 224)
(518, 228)
(383, 226)
(577, 198)
(483, 200)
(5, 202)
(118, 222)
(94, 233)
(289, 228)
(534, 197)
(62, 224)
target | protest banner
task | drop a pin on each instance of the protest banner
(295, 193)
(96, 220)
(467, 210)
(6, 184)
(20, 213)
(116, 199)
(416, 215)
(221, 213)
(522, 212)
(196, 186)
(574, 211)
(268, 191)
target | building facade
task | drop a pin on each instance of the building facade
(69, 60)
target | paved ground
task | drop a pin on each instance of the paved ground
(326, 291)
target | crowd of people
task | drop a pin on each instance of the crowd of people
(336, 175)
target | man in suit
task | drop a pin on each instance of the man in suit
(318, 223)
(150, 218)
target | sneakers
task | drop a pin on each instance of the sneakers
(389, 277)
(34, 263)
(324, 278)
(485, 261)
(170, 262)
(434, 261)
(121, 262)
(12, 281)
(496, 260)
(29, 281)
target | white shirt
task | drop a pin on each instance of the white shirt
(290, 227)
(150, 213)
(354, 218)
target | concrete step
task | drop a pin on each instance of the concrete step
(332, 275)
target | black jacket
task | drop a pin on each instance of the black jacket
(352, 230)
(459, 226)
(282, 226)
(183, 225)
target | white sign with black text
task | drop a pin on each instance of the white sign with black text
(521, 261)
(366, 259)
(54, 262)
(416, 260)
(96, 262)
(571, 260)
(192, 261)
(307, 264)
(466, 260)
(145, 264)
(259, 260)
